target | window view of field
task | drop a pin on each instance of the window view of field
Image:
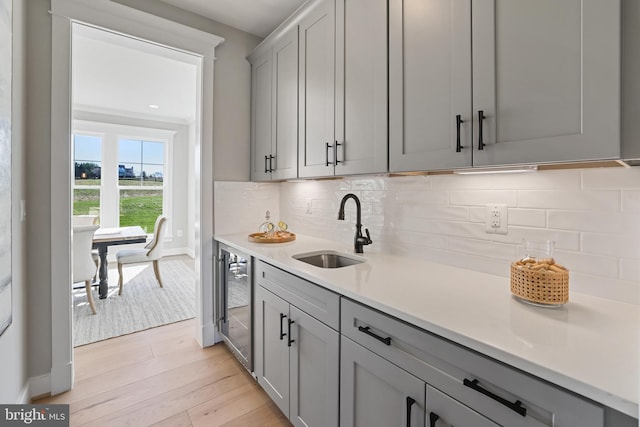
(137, 207)
(140, 175)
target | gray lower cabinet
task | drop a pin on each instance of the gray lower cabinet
(444, 411)
(296, 355)
(465, 388)
(375, 392)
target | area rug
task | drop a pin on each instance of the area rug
(142, 305)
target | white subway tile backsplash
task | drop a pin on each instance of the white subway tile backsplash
(631, 201)
(592, 215)
(630, 270)
(596, 265)
(527, 217)
(619, 245)
(606, 222)
(582, 200)
(484, 248)
(611, 179)
(483, 197)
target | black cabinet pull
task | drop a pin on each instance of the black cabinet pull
(289, 340)
(271, 157)
(366, 330)
(515, 406)
(326, 154)
(433, 417)
(410, 402)
(266, 168)
(480, 133)
(459, 121)
(335, 154)
(282, 334)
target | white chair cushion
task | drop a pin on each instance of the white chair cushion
(130, 256)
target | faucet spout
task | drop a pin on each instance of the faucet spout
(359, 240)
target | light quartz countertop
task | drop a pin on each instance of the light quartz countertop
(588, 346)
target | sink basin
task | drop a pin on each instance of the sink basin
(328, 259)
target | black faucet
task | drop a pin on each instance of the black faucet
(359, 240)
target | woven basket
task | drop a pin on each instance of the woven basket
(540, 286)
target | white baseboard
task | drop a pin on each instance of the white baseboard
(177, 251)
(208, 335)
(39, 386)
(24, 396)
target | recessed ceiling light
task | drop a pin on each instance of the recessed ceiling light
(154, 106)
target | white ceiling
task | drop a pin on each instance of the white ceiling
(113, 74)
(259, 17)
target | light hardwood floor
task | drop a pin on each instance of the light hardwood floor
(161, 377)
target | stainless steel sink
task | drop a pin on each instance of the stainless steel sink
(328, 259)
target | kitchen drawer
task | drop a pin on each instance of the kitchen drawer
(318, 302)
(454, 369)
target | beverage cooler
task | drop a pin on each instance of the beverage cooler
(235, 303)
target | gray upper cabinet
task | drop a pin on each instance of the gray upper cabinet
(546, 74)
(343, 89)
(429, 84)
(275, 110)
(532, 82)
(261, 104)
(316, 93)
(361, 87)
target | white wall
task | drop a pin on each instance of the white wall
(593, 215)
(13, 343)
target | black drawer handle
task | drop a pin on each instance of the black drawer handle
(271, 157)
(335, 154)
(410, 402)
(515, 406)
(459, 121)
(433, 417)
(289, 340)
(366, 330)
(282, 334)
(481, 143)
(326, 154)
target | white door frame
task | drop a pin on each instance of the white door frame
(131, 22)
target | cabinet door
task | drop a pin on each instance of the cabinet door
(317, 86)
(443, 411)
(361, 86)
(314, 376)
(546, 74)
(375, 392)
(261, 104)
(429, 84)
(285, 107)
(272, 352)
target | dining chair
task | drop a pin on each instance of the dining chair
(91, 219)
(152, 252)
(84, 268)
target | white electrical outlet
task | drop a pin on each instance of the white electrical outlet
(179, 233)
(496, 218)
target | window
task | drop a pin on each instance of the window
(141, 174)
(87, 159)
(124, 173)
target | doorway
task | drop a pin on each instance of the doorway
(134, 24)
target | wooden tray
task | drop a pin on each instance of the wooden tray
(278, 237)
